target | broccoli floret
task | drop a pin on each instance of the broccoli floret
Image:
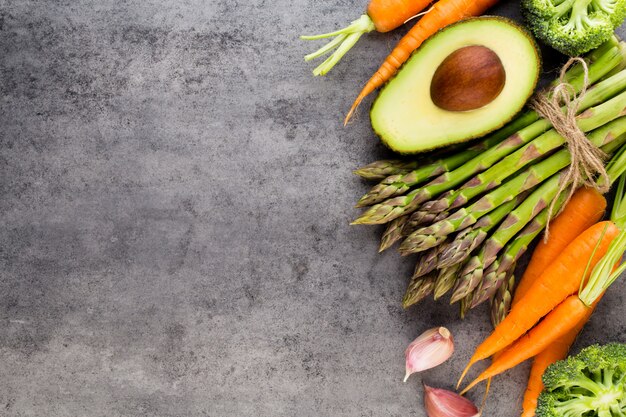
(592, 383)
(574, 27)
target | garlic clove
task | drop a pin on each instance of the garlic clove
(443, 403)
(431, 348)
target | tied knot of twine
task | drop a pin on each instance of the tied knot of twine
(587, 160)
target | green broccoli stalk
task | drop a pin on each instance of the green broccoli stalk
(574, 27)
(592, 383)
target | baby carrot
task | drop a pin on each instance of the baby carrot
(565, 317)
(560, 279)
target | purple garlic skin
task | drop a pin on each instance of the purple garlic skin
(430, 349)
(443, 403)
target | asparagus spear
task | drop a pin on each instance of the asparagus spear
(465, 305)
(427, 262)
(472, 275)
(458, 249)
(607, 136)
(576, 74)
(522, 215)
(610, 43)
(469, 278)
(436, 242)
(389, 187)
(394, 207)
(398, 184)
(490, 283)
(470, 238)
(497, 271)
(445, 280)
(385, 169)
(590, 119)
(482, 279)
(402, 226)
(380, 170)
(501, 301)
(615, 149)
(430, 208)
(419, 288)
(398, 206)
(392, 233)
(527, 128)
(617, 165)
(622, 64)
(419, 218)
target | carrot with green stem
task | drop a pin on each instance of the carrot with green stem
(560, 279)
(382, 16)
(586, 203)
(576, 309)
(442, 14)
(556, 351)
(567, 317)
(558, 323)
(585, 208)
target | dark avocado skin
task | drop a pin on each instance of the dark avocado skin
(468, 138)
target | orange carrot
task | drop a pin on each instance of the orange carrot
(560, 279)
(442, 14)
(584, 209)
(566, 316)
(382, 16)
(390, 14)
(556, 351)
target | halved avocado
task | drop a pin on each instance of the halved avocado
(404, 114)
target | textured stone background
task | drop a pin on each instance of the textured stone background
(174, 241)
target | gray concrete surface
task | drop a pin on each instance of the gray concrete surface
(175, 191)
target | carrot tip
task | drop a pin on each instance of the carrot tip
(482, 406)
(467, 368)
(353, 109)
(471, 385)
(349, 116)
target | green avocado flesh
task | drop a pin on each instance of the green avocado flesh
(404, 115)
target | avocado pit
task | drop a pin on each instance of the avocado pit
(467, 79)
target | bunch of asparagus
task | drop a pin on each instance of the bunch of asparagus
(471, 214)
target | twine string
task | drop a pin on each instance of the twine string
(587, 160)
